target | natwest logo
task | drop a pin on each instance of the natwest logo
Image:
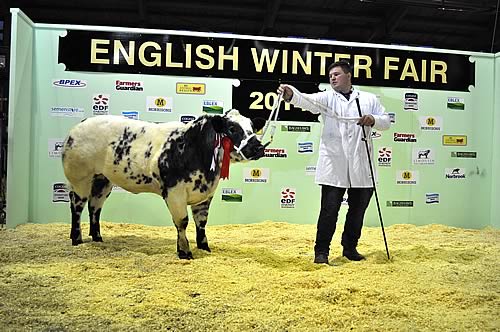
(129, 85)
(65, 83)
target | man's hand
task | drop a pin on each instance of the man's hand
(366, 120)
(286, 91)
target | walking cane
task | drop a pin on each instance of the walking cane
(373, 180)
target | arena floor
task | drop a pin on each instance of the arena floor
(259, 277)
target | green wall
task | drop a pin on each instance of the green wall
(468, 202)
(495, 166)
(20, 115)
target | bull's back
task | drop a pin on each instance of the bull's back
(121, 149)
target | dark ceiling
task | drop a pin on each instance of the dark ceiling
(460, 25)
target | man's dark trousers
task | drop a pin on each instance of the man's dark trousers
(331, 199)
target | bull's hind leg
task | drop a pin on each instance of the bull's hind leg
(101, 188)
(178, 210)
(200, 215)
(78, 197)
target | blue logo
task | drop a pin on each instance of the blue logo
(431, 198)
(305, 147)
(70, 83)
(134, 115)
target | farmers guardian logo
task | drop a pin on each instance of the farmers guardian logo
(65, 83)
(129, 86)
(405, 137)
(275, 153)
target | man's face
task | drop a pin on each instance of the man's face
(340, 81)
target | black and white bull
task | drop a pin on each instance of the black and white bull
(180, 162)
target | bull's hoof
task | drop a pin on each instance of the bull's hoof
(185, 255)
(204, 246)
(76, 242)
(97, 238)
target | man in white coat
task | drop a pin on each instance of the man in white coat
(343, 161)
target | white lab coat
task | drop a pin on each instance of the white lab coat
(343, 161)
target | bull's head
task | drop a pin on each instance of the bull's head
(241, 131)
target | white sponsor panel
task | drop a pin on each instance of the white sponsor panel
(255, 175)
(287, 200)
(454, 173)
(186, 118)
(159, 104)
(423, 156)
(405, 137)
(411, 102)
(431, 123)
(55, 147)
(70, 112)
(117, 189)
(69, 83)
(385, 156)
(137, 86)
(431, 198)
(100, 104)
(275, 153)
(134, 115)
(311, 170)
(60, 192)
(305, 147)
(456, 104)
(407, 177)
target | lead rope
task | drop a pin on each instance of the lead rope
(273, 117)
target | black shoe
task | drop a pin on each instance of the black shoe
(352, 255)
(321, 259)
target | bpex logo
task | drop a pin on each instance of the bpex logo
(64, 83)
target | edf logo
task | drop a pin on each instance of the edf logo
(101, 104)
(64, 83)
(287, 198)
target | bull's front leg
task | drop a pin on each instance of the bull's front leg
(178, 210)
(200, 215)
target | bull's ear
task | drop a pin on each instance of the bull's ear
(258, 124)
(219, 123)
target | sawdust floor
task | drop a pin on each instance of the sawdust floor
(258, 277)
